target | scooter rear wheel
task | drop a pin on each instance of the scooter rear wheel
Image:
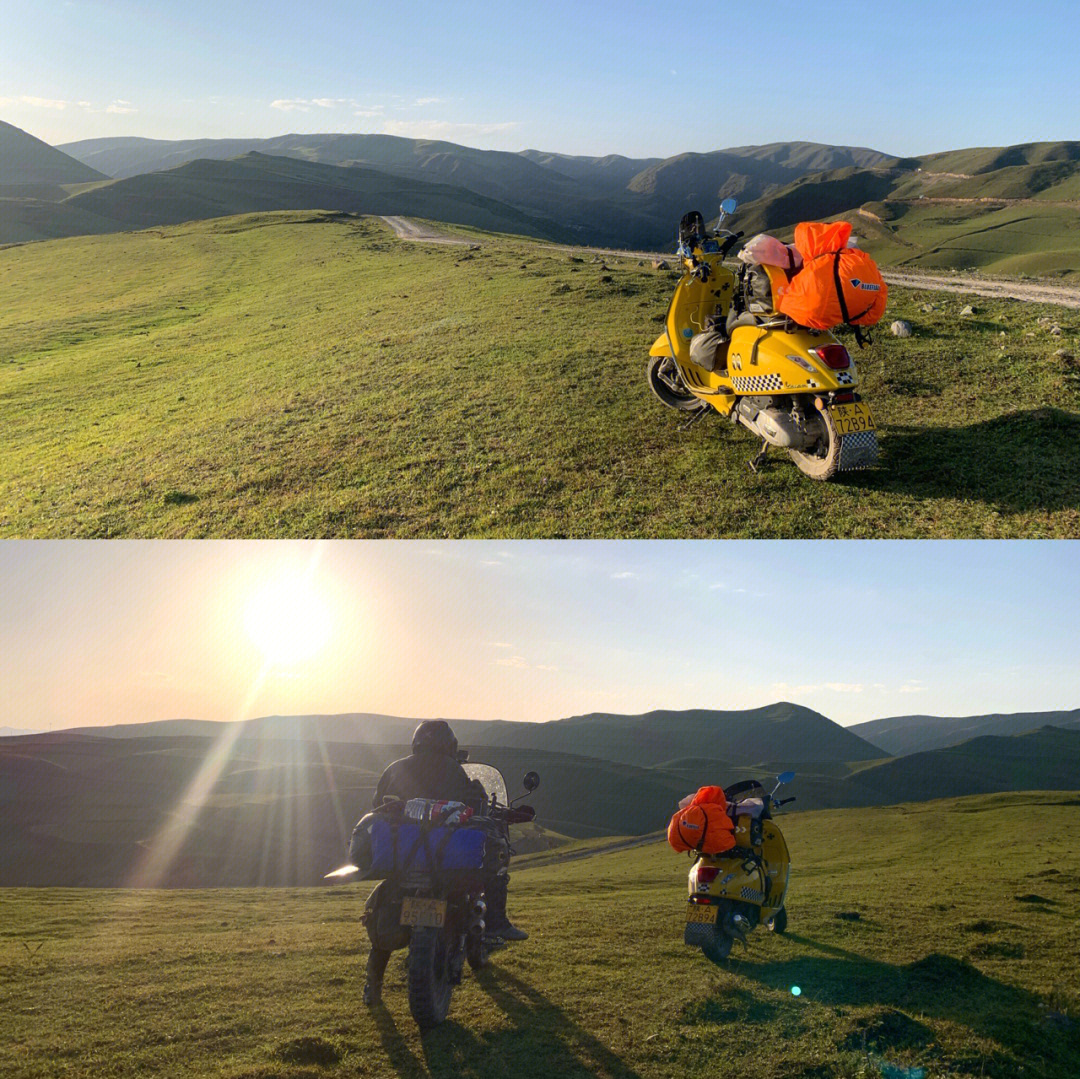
(719, 948)
(823, 462)
(664, 381)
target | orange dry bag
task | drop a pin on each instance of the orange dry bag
(837, 284)
(703, 825)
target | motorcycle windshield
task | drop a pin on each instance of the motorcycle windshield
(491, 779)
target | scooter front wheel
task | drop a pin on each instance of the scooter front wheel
(822, 462)
(779, 921)
(667, 384)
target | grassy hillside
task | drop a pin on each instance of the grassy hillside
(306, 374)
(1008, 210)
(27, 160)
(939, 937)
(909, 734)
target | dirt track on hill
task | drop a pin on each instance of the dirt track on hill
(538, 860)
(998, 287)
(405, 229)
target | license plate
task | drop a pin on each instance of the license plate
(698, 912)
(423, 912)
(850, 419)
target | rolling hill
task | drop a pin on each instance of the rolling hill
(780, 731)
(613, 200)
(205, 189)
(26, 161)
(272, 801)
(900, 735)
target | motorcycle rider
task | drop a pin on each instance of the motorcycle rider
(432, 771)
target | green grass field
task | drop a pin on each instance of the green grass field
(963, 962)
(306, 374)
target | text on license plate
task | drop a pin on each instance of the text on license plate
(852, 418)
(698, 912)
(423, 912)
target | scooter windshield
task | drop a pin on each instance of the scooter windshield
(491, 779)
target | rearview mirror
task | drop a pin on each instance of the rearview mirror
(531, 781)
(785, 777)
(727, 207)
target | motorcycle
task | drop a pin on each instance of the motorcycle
(733, 892)
(793, 387)
(434, 911)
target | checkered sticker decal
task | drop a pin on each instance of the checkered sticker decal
(758, 383)
(859, 450)
(697, 934)
(845, 378)
(752, 895)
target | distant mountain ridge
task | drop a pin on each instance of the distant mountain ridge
(901, 735)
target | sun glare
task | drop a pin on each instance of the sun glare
(288, 621)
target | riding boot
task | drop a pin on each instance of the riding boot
(498, 924)
(376, 968)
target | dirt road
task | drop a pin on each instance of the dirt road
(547, 858)
(405, 229)
(977, 284)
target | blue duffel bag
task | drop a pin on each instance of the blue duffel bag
(408, 847)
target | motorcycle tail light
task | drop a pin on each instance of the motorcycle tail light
(834, 356)
(707, 873)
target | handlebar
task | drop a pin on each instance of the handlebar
(784, 801)
(514, 815)
(729, 243)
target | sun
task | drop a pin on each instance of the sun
(288, 621)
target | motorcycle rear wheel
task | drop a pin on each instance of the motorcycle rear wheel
(824, 463)
(664, 381)
(429, 977)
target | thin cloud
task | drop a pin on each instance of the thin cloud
(625, 575)
(59, 105)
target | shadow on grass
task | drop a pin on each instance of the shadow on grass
(934, 987)
(1019, 462)
(538, 1038)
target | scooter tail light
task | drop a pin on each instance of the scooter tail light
(706, 874)
(834, 356)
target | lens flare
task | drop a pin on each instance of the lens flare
(796, 991)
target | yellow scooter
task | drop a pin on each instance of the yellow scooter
(746, 886)
(725, 347)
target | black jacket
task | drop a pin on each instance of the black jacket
(428, 775)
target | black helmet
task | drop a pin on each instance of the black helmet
(434, 736)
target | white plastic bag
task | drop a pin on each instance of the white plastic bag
(766, 250)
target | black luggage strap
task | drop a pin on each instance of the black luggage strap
(861, 338)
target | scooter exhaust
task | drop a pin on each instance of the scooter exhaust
(775, 427)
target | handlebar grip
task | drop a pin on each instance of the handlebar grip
(784, 801)
(730, 242)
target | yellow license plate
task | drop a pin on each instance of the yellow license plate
(698, 912)
(850, 419)
(423, 912)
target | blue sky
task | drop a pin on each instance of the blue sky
(118, 631)
(637, 78)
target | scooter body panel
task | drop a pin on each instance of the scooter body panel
(760, 360)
